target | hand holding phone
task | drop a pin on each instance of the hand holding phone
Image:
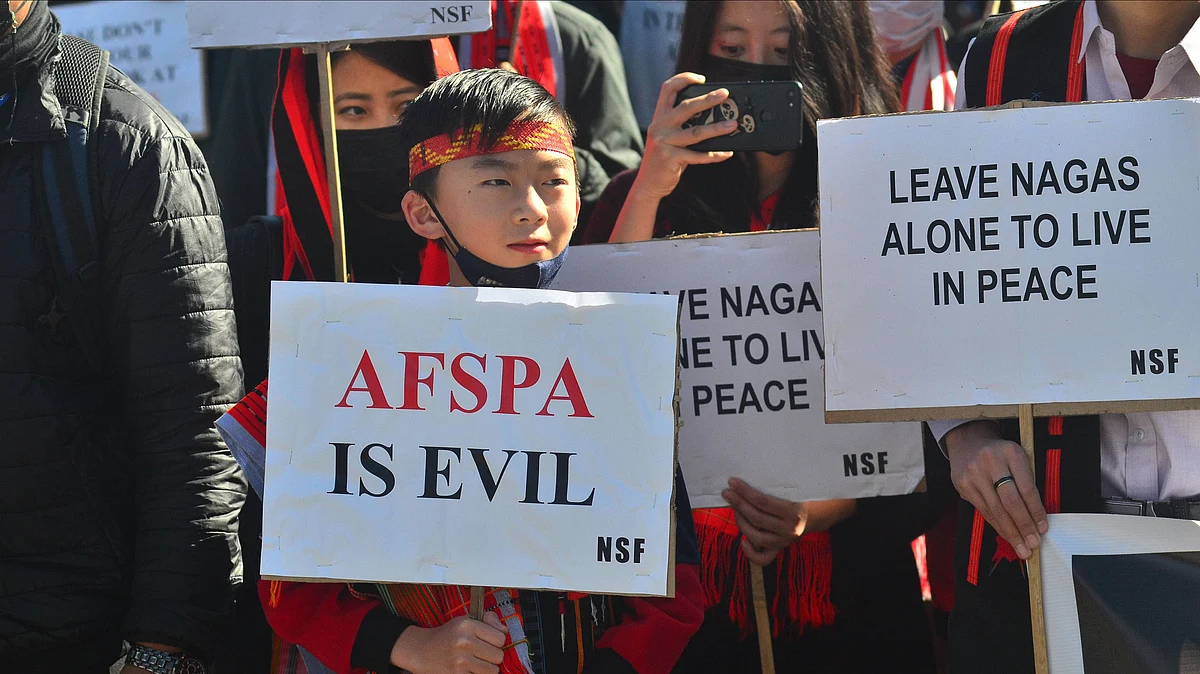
(668, 143)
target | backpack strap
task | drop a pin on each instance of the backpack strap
(65, 183)
(1032, 54)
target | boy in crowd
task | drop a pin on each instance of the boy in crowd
(493, 178)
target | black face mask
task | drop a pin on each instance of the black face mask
(479, 272)
(718, 69)
(374, 169)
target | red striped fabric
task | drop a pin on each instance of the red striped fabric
(1053, 481)
(1075, 69)
(1056, 425)
(251, 413)
(995, 83)
(976, 547)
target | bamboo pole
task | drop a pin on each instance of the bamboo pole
(762, 619)
(1041, 657)
(332, 173)
(476, 602)
(514, 39)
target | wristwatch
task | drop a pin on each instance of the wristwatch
(161, 662)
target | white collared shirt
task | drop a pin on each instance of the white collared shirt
(1153, 456)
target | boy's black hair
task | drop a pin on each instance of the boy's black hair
(490, 98)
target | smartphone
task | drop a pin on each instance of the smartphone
(769, 114)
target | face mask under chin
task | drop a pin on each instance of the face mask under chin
(481, 273)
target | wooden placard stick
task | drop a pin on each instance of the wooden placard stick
(514, 35)
(762, 620)
(1041, 657)
(332, 174)
(476, 602)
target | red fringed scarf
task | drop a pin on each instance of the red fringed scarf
(802, 576)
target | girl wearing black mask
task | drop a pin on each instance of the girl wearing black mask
(840, 574)
(372, 87)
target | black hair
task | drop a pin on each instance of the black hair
(491, 98)
(833, 53)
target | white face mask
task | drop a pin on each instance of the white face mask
(902, 25)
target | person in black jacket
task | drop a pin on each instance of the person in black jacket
(118, 500)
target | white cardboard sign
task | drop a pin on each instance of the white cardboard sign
(1137, 555)
(751, 355)
(1003, 257)
(148, 42)
(495, 437)
(269, 23)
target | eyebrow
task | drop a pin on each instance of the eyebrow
(557, 163)
(359, 96)
(492, 162)
(404, 90)
(350, 96)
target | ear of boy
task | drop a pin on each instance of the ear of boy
(420, 216)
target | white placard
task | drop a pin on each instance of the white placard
(544, 458)
(1057, 264)
(751, 355)
(1074, 536)
(148, 42)
(269, 23)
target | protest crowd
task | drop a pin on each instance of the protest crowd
(136, 319)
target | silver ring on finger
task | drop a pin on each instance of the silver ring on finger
(1002, 481)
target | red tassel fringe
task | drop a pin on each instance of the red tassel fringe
(802, 577)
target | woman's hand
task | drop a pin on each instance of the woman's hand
(667, 154)
(461, 646)
(769, 524)
(979, 459)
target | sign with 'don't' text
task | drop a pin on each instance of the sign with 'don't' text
(471, 436)
(147, 40)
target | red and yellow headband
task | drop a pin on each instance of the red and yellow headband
(463, 143)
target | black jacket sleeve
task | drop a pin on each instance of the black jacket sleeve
(608, 139)
(173, 343)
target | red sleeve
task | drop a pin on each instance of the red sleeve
(322, 618)
(654, 636)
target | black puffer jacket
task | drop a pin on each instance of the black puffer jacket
(118, 500)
